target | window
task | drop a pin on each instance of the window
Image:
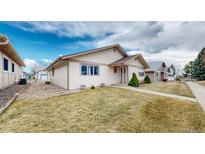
(89, 70)
(13, 67)
(96, 70)
(6, 64)
(141, 72)
(53, 71)
(84, 70)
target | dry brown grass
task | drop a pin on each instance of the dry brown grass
(201, 83)
(174, 87)
(104, 110)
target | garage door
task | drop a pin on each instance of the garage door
(43, 77)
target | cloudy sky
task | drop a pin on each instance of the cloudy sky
(42, 42)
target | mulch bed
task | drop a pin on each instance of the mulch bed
(8, 93)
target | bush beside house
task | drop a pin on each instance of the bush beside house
(134, 82)
(147, 80)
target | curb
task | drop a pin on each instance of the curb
(13, 99)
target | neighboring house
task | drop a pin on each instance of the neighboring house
(25, 75)
(158, 71)
(102, 66)
(11, 64)
(40, 73)
(171, 72)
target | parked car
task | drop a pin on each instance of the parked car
(22, 82)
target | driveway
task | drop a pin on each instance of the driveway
(8, 93)
(40, 90)
(199, 92)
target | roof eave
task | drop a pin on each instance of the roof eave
(7, 43)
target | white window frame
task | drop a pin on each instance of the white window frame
(140, 72)
(88, 66)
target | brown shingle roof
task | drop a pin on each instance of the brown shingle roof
(124, 60)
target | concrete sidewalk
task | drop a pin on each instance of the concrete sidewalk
(157, 93)
(199, 92)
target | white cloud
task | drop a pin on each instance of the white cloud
(46, 60)
(177, 42)
(171, 56)
(31, 63)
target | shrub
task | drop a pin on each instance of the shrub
(92, 87)
(47, 82)
(134, 82)
(147, 79)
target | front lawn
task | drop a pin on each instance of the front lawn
(104, 110)
(173, 87)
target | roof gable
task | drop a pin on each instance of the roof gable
(117, 46)
(124, 61)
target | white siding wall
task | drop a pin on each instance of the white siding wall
(106, 57)
(42, 75)
(60, 77)
(1, 69)
(73, 69)
(135, 67)
(8, 77)
(106, 75)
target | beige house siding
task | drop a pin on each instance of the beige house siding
(106, 75)
(60, 77)
(1, 69)
(104, 57)
(134, 66)
(68, 73)
(8, 77)
(151, 76)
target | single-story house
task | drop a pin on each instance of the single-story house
(11, 64)
(102, 66)
(158, 71)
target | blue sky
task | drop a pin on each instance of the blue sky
(42, 42)
(42, 47)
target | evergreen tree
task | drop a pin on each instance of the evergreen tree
(147, 79)
(188, 67)
(134, 82)
(198, 66)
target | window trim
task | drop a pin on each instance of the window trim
(12, 68)
(7, 64)
(88, 71)
(140, 72)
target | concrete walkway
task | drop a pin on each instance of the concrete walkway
(157, 93)
(199, 92)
